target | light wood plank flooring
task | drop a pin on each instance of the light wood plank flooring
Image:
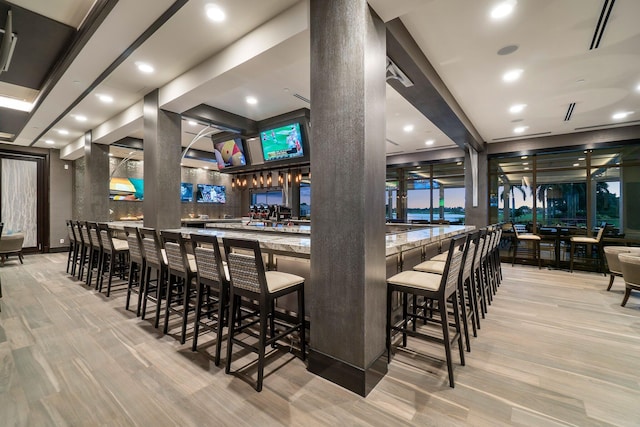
(555, 349)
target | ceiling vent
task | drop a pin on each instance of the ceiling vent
(8, 44)
(567, 116)
(302, 98)
(602, 23)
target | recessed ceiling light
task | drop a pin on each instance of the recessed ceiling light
(80, 118)
(459, 163)
(580, 158)
(526, 168)
(49, 141)
(429, 142)
(512, 75)
(105, 98)
(520, 129)
(215, 13)
(638, 88)
(192, 122)
(206, 167)
(517, 108)
(525, 163)
(110, 154)
(621, 115)
(251, 100)
(144, 67)
(503, 9)
(408, 128)
(523, 157)
(63, 132)
(576, 164)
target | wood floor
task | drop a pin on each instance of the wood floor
(555, 349)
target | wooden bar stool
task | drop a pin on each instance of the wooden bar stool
(439, 288)
(155, 260)
(182, 274)
(212, 289)
(524, 237)
(250, 280)
(116, 251)
(137, 266)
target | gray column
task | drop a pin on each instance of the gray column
(348, 167)
(161, 206)
(478, 216)
(96, 181)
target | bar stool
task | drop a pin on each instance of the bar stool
(182, 273)
(137, 266)
(95, 253)
(156, 259)
(522, 237)
(116, 251)
(75, 226)
(73, 247)
(85, 249)
(582, 240)
(212, 289)
(439, 288)
(464, 283)
(250, 280)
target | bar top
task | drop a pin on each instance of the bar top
(299, 244)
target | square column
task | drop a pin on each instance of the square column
(348, 60)
(96, 181)
(162, 153)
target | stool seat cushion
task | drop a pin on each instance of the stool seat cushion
(436, 267)
(120, 245)
(278, 280)
(416, 279)
(440, 257)
(580, 239)
(528, 237)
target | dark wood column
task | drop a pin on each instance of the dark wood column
(348, 59)
(162, 151)
(96, 181)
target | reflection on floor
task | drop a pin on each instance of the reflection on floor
(555, 349)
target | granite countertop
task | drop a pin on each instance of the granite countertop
(263, 226)
(395, 243)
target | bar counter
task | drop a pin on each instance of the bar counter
(295, 240)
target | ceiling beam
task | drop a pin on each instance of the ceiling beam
(429, 94)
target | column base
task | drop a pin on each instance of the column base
(358, 380)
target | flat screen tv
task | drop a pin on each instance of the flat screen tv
(282, 143)
(186, 192)
(208, 193)
(229, 153)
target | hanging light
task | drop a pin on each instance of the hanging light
(233, 183)
(261, 180)
(280, 178)
(255, 180)
(269, 179)
(289, 177)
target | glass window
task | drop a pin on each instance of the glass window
(266, 198)
(305, 200)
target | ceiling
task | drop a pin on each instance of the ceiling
(262, 50)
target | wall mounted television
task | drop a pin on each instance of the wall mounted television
(282, 143)
(229, 153)
(208, 193)
(186, 192)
